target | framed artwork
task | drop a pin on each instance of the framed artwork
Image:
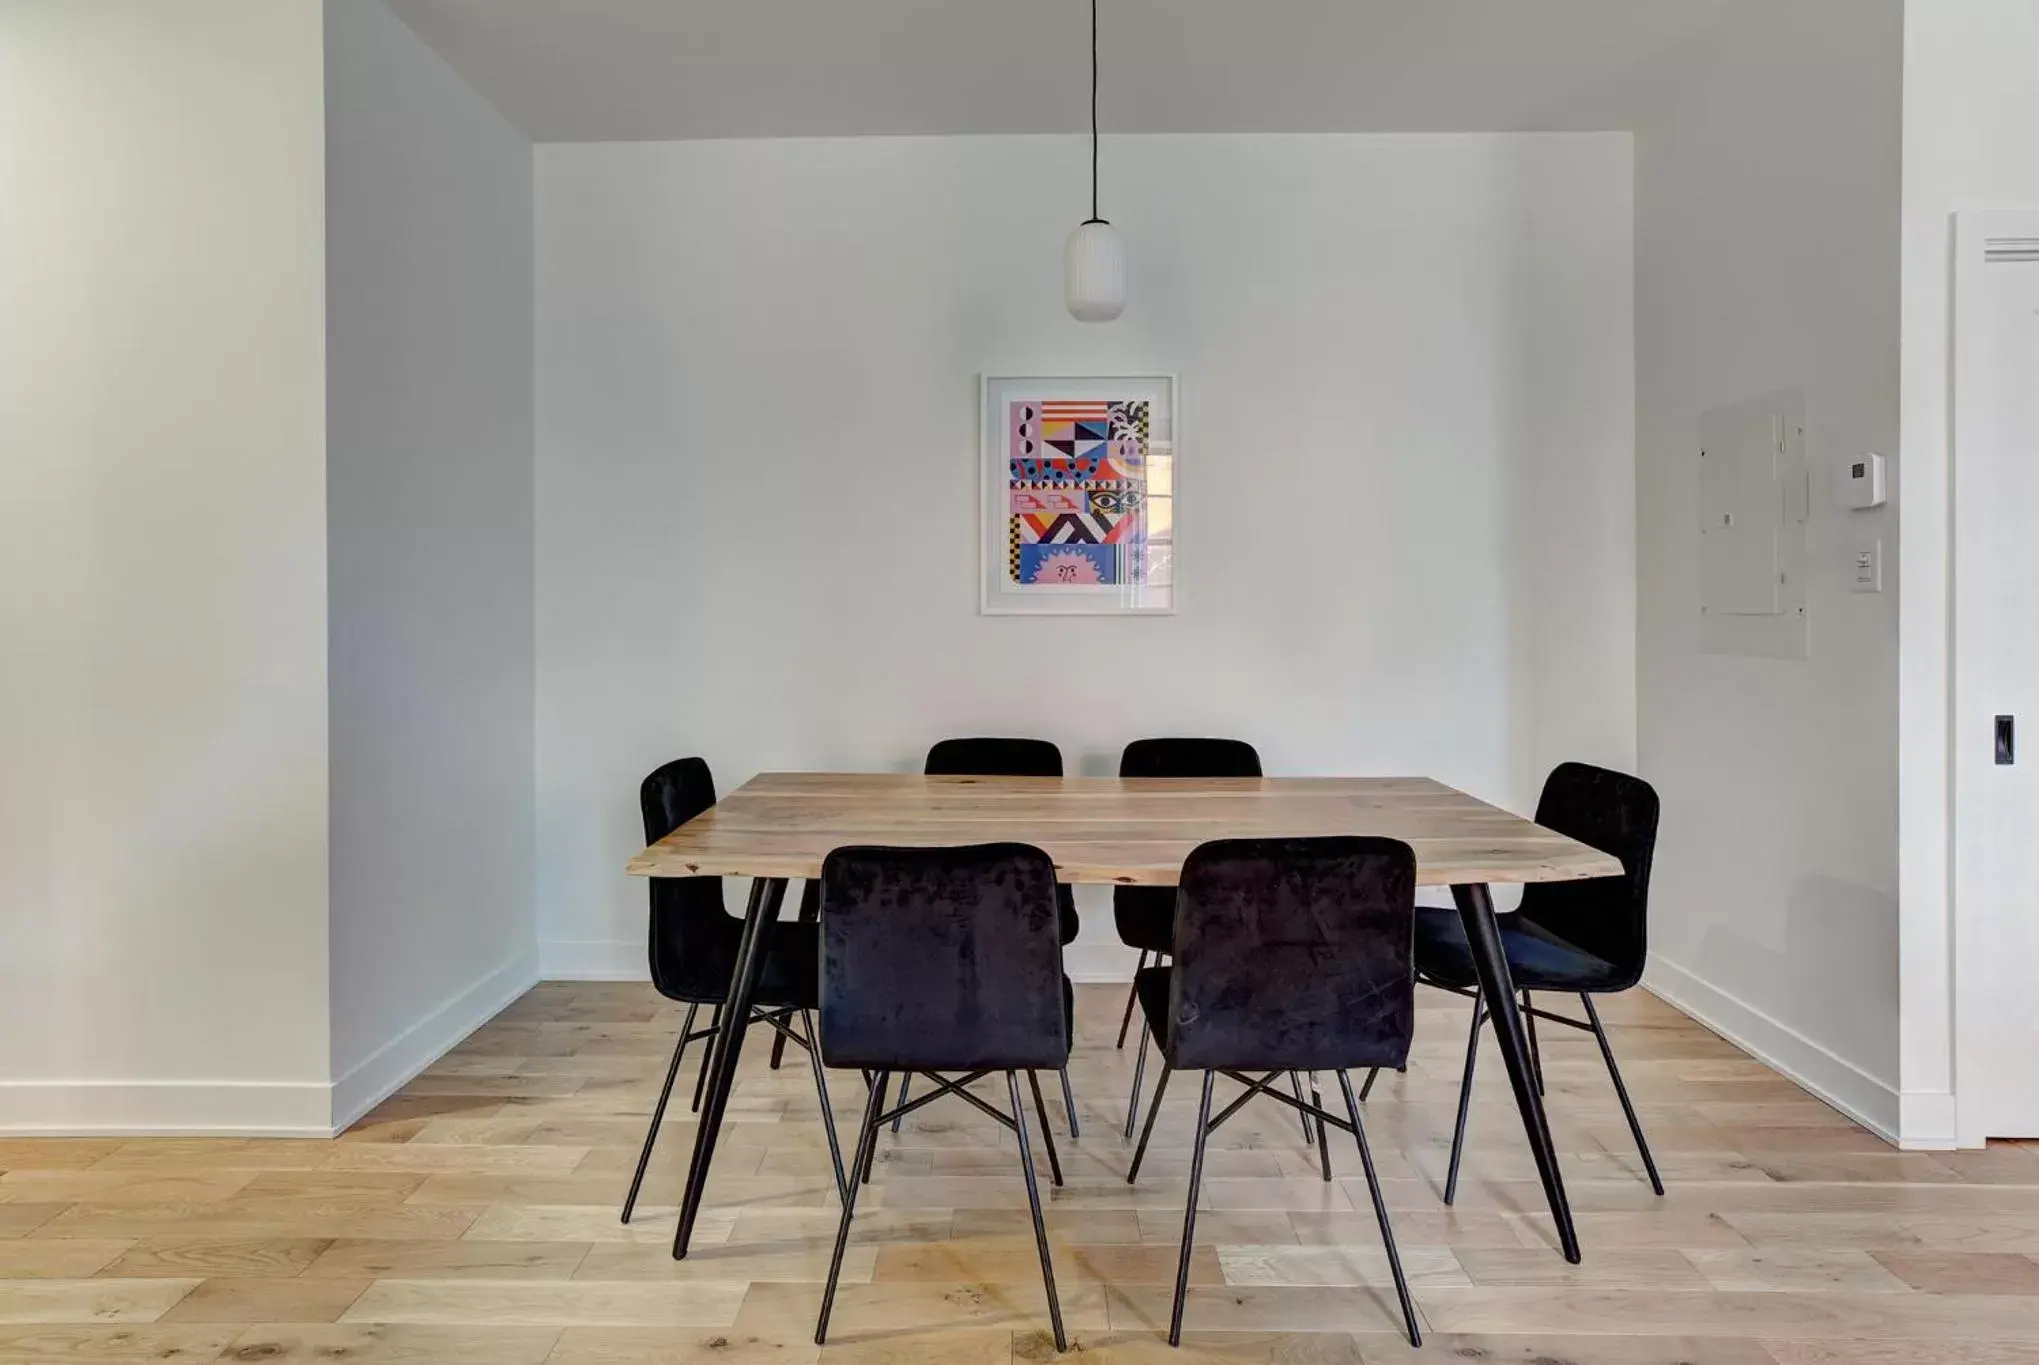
(1079, 488)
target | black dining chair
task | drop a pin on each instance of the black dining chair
(1289, 955)
(1145, 915)
(693, 945)
(1583, 938)
(988, 757)
(943, 960)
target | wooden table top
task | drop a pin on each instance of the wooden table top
(1108, 830)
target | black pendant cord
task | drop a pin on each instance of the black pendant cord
(1093, 115)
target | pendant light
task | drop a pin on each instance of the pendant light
(1094, 258)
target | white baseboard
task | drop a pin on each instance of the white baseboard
(193, 1108)
(593, 959)
(1926, 1121)
(386, 1070)
(1871, 1102)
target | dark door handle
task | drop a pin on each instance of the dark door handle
(2007, 741)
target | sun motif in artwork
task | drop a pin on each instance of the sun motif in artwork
(1066, 567)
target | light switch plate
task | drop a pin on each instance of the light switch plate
(1868, 567)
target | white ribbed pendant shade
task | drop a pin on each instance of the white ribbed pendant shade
(1094, 272)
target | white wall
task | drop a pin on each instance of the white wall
(1767, 183)
(1971, 124)
(162, 567)
(430, 524)
(1407, 439)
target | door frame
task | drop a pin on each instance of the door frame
(1982, 860)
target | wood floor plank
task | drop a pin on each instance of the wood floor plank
(1634, 1268)
(102, 1301)
(546, 1303)
(254, 1218)
(1963, 1272)
(1554, 1349)
(865, 1311)
(388, 1344)
(1013, 1260)
(1798, 1269)
(1255, 1308)
(46, 1343)
(1198, 1348)
(1330, 1266)
(468, 1258)
(55, 1258)
(260, 1299)
(1909, 1317)
(244, 1258)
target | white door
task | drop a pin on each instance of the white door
(1996, 673)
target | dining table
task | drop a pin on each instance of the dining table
(1109, 831)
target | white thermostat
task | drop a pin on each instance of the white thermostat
(1860, 485)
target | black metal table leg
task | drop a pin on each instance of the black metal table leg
(766, 895)
(1476, 913)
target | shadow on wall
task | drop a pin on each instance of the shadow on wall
(1834, 984)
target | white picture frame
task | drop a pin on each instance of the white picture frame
(1100, 510)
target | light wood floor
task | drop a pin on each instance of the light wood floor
(473, 1219)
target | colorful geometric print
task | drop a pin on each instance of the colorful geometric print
(1090, 466)
(1076, 492)
(1069, 566)
(1073, 528)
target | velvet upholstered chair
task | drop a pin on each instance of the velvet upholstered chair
(991, 757)
(943, 960)
(1576, 938)
(1145, 915)
(1289, 955)
(693, 946)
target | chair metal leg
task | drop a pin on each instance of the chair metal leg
(867, 1139)
(1465, 1100)
(779, 1039)
(1634, 1124)
(1196, 1182)
(1068, 1105)
(905, 1080)
(1047, 1134)
(835, 1155)
(1139, 1074)
(1366, 1087)
(714, 1031)
(870, 1158)
(1019, 1123)
(1535, 1052)
(658, 1114)
(1323, 1138)
(1140, 1152)
(1132, 999)
(1296, 1088)
(1380, 1212)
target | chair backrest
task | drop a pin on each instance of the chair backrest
(1189, 758)
(688, 921)
(1178, 758)
(941, 959)
(1608, 916)
(1294, 954)
(985, 757)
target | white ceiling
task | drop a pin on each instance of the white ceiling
(595, 70)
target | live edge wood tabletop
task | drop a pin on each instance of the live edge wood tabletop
(1124, 832)
(1108, 830)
